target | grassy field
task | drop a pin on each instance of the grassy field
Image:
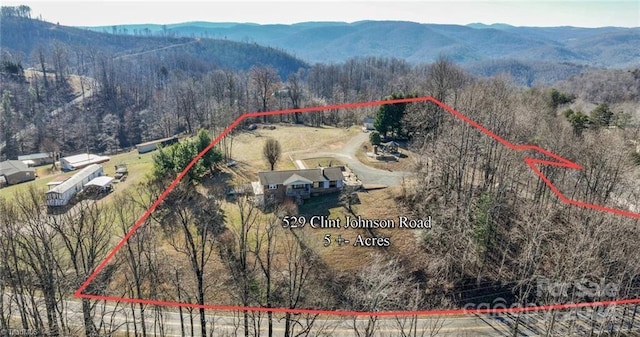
(247, 147)
(378, 204)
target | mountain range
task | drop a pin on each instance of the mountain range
(28, 37)
(329, 42)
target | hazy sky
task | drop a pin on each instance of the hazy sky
(515, 12)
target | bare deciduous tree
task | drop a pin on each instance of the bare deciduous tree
(264, 81)
(271, 152)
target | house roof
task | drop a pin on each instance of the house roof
(102, 181)
(57, 180)
(35, 156)
(368, 120)
(310, 175)
(157, 141)
(296, 179)
(75, 179)
(334, 173)
(85, 159)
(10, 167)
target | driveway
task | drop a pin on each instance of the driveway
(366, 174)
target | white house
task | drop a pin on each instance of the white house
(61, 194)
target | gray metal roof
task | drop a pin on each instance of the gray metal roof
(101, 181)
(10, 167)
(315, 174)
(35, 156)
(157, 141)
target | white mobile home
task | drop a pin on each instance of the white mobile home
(60, 195)
(79, 161)
(152, 145)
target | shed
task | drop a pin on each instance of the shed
(367, 124)
(102, 183)
(391, 147)
(152, 145)
(37, 159)
(16, 172)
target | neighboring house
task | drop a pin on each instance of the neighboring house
(277, 186)
(61, 194)
(152, 145)
(37, 159)
(367, 124)
(15, 172)
(79, 161)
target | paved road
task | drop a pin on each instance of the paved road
(366, 174)
(121, 317)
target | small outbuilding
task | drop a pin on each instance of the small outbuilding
(102, 184)
(367, 124)
(15, 172)
(37, 159)
(152, 145)
(391, 147)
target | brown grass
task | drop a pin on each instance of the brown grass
(322, 162)
(377, 204)
(404, 164)
(247, 147)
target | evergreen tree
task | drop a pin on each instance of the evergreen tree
(389, 116)
(601, 116)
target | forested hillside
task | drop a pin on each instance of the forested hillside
(417, 43)
(26, 38)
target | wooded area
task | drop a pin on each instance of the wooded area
(497, 228)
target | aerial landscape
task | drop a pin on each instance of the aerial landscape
(337, 169)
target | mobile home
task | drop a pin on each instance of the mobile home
(61, 194)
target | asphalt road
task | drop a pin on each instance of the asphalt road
(120, 318)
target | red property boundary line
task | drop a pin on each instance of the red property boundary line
(533, 163)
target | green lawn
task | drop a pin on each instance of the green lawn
(138, 165)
